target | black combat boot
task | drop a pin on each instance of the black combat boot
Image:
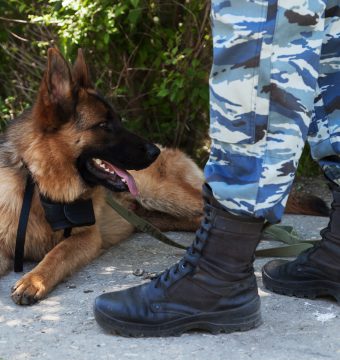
(212, 288)
(316, 271)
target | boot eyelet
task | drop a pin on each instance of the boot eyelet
(157, 306)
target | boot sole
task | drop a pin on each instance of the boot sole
(311, 289)
(244, 318)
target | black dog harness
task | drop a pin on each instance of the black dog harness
(60, 216)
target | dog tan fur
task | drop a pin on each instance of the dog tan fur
(42, 142)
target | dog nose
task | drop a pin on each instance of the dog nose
(152, 151)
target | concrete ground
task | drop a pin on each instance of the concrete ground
(63, 327)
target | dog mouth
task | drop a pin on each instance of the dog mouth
(118, 178)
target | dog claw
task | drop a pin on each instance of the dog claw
(28, 290)
(15, 298)
(24, 299)
(28, 300)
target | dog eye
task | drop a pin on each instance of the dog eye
(103, 125)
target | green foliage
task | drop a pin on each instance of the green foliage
(307, 166)
(22, 52)
(150, 58)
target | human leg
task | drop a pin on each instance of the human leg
(213, 287)
(262, 94)
(316, 272)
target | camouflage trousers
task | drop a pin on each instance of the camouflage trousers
(275, 83)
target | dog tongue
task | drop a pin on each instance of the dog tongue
(130, 181)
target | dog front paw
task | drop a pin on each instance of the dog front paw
(29, 289)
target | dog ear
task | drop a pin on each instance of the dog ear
(80, 71)
(55, 102)
(58, 77)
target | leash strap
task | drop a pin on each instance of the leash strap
(283, 251)
(141, 224)
(286, 234)
(22, 225)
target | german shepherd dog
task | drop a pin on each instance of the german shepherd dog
(73, 145)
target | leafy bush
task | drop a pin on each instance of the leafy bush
(151, 58)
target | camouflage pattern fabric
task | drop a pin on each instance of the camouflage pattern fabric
(324, 130)
(275, 81)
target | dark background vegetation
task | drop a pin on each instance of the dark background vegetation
(150, 58)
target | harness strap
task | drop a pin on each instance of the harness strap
(67, 232)
(22, 226)
(60, 216)
(65, 216)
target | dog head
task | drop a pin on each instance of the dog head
(71, 112)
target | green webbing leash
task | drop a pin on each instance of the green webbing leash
(141, 224)
(286, 234)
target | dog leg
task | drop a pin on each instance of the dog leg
(5, 264)
(166, 222)
(69, 255)
(113, 227)
(172, 184)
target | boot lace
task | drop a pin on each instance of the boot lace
(192, 254)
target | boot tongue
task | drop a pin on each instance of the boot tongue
(130, 181)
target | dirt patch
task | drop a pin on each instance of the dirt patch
(317, 186)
